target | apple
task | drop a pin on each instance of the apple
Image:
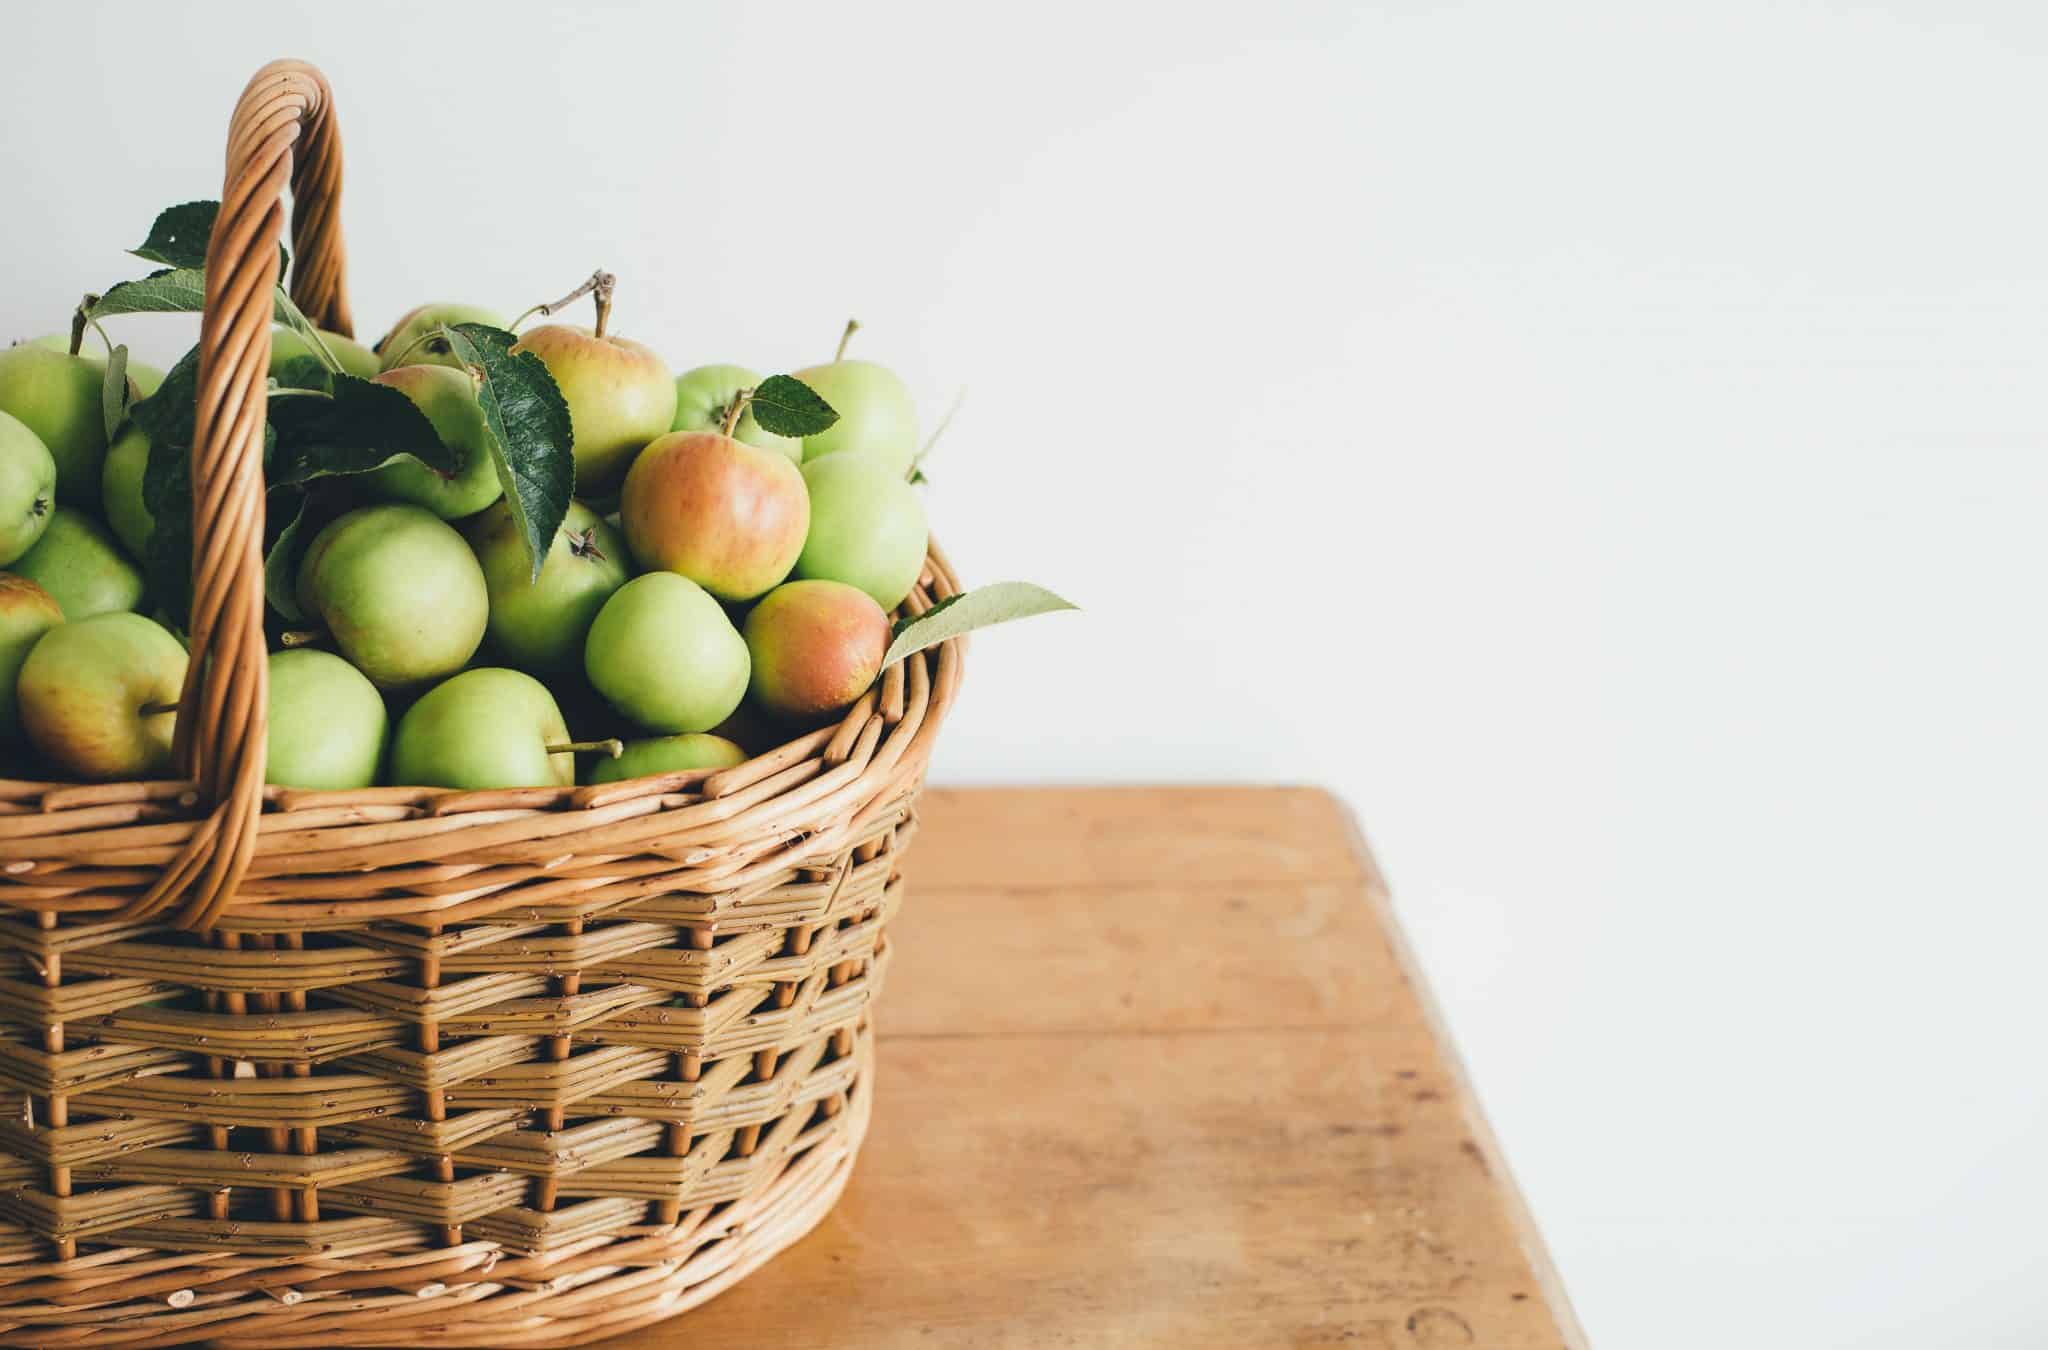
(399, 591)
(287, 345)
(57, 396)
(403, 345)
(98, 696)
(485, 728)
(814, 647)
(867, 527)
(81, 566)
(665, 754)
(620, 396)
(26, 613)
(28, 488)
(663, 654)
(877, 416)
(704, 394)
(145, 378)
(727, 516)
(448, 398)
(121, 490)
(539, 625)
(327, 723)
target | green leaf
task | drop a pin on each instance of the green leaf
(787, 406)
(281, 564)
(305, 373)
(114, 390)
(180, 236)
(166, 418)
(963, 613)
(530, 431)
(175, 290)
(361, 426)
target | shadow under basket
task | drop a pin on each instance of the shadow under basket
(412, 1067)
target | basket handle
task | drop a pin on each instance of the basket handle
(283, 131)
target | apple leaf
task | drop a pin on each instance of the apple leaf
(787, 406)
(307, 374)
(999, 602)
(114, 390)
(174, 290)
(531, 433)
(359, 427)
(181, 233)
(166, 418)
(281, 564)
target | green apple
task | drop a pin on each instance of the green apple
(287, 345)
(666, 754)
(398, 589)
(28, 488)
(58, 398)
(485, 728)
(727, 516)
(814, 647)
(876, 415)
(448, 398)
(662, 653)
(81, 566)
(867, 527)
(704, 394)
(121, 490)
(539, 625)
(407, 344)
(620, 396)
(145, 378)
(98, 696)
(26, 613)
(327, 723)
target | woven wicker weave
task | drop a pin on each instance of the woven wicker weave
(511, 1068)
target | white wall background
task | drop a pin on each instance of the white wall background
(1602, 441)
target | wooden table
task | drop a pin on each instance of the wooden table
(1156, 1070)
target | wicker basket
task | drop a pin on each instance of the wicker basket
(513, 1068)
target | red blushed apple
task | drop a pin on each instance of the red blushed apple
(727, 516)
(815, 646)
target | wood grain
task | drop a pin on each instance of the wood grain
(1213, 1111)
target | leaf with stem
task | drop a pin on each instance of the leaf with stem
(787, 406)
(114, 390)
(981, 607)
(531, 433)
(361, 425)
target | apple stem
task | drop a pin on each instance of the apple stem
(79, 319)
(732, 413)
(852, 327)
(611, 747)
(300, 637)
(157, 709)
(600, 282)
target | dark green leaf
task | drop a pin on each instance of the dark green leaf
(166, 418)
(530, 431)
(963, 613)
(114, 390)
(281, 564)
(787, 406)
(180, 236)
(363, 425)
(304, 372)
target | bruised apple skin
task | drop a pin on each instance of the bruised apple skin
(728, 516)
(814, 647)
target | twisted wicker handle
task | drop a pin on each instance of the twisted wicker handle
(282, 132)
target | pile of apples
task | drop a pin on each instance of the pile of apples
(713, 587)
